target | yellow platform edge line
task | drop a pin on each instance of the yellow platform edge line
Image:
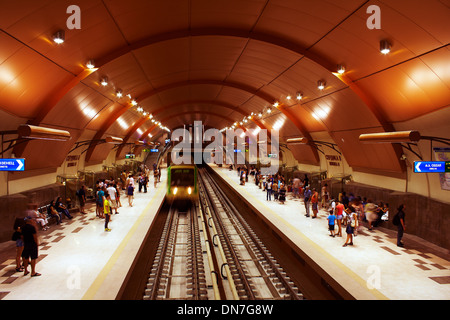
(338, 263)
(96, 284)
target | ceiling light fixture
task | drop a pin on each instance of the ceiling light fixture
(27, 131)
(392, 137)
(340, 69)
(385, 47)
(114, 140)
(59, 37)
(301, 140)
(321, 84)
(104, 81)
(119, 94)
(90, 64)
(299, 96)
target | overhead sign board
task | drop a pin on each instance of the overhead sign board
(431, 166)
(12, 164)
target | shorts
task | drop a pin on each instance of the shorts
(19, 243)
(113, 203)
(339, 217)
(331, 227)
(30, 252)
(349, 229)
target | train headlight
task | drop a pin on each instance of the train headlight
(189, 190)
(175, 190)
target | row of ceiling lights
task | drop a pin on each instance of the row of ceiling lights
(385, 48)
(268, 109)
(59, 38)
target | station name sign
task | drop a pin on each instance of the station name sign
(12, 164)
(431, 166)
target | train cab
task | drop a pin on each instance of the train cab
(182, 183)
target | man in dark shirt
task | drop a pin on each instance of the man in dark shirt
(30, 247)
(402, 225)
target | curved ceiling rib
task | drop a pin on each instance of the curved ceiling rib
(211, 102)
(264, 96)
(229, 32)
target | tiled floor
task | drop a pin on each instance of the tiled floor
(374, 268)
(78, 259)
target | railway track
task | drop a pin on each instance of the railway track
(210, 252)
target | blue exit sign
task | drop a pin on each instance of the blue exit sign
(12, 164)
(431, 166)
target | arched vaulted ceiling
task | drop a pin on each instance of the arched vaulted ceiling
(221, 60)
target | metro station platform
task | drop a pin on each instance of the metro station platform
(373, 268)
(78, 260)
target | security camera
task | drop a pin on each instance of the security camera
(403, 157)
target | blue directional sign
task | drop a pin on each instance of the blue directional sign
(429, 166)
(12, 164)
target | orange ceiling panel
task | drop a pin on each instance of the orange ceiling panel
(304, 22)
(138, 20)
(26, 80)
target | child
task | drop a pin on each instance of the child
(130, 193)
(107, 210)
(331, 218)
(17, 237)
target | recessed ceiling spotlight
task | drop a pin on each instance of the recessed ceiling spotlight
(59, 37)
(133, 102)
(119, 94)
(288, 97)
(276, 104)
(104, 81)
(299, 96)
(321, 84)
(385, 47)
(90, 64)
(340, 69)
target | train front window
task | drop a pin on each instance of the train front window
(182, 177)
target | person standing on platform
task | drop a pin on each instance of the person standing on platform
(269, 190)
(331, 222)
(315, 202)
(339, 216)
(370, 210)
(112, 196)
(82, 198)
(30, 247)
(352, 221)
(324, 200)
(130, 193)
(296, 187)
(107, 210)
(307, 199)
(155, 175)
(399, 221)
